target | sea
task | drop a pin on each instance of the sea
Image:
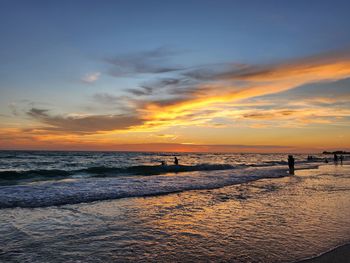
(59, 206)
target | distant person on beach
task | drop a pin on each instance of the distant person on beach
(341, 159)
(335, 158)
(325, 160)
(291, 164)
(176, 161)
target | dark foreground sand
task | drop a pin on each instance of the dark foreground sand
(338, 255)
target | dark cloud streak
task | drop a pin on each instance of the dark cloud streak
(147, 62)
(84, 124)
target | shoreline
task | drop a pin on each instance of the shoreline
(340, 254)
(165, 228)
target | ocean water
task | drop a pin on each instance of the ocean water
(76, 177)
(125, 207)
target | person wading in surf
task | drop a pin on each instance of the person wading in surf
(291, 164)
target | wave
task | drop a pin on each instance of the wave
(103, 171)
(97, 189)
(269, 163)
(20, 175)
(12, 177)
(155, 170)
(7, 156)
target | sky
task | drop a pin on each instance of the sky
(227, 76)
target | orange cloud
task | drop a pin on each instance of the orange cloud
(250, 82)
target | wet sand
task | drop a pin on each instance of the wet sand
(338, 255)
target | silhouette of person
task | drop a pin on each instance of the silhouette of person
(291, 164)
(335, 158)
(325, 160)
(176, 161)
(341, 159)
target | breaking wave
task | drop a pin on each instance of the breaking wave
(75, 191)
(102, 171)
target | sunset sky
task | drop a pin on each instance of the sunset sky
(243, 76)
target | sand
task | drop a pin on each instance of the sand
(338, 255)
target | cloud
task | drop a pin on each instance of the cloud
(122, 104)
(235, 94)
(38, 113)
(106, 98)
(248, 81)
(164, 87)
(323, 93)
(184, 97)
(83, 124)
(142, 91)
(153, 61)
(13, 108)
(91, 77)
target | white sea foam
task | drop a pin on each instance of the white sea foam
(72, 191)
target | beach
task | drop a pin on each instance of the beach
(339, 254)
(251, 214)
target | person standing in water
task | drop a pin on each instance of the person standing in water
(291, 164)
(176, 161)
(335, 158)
